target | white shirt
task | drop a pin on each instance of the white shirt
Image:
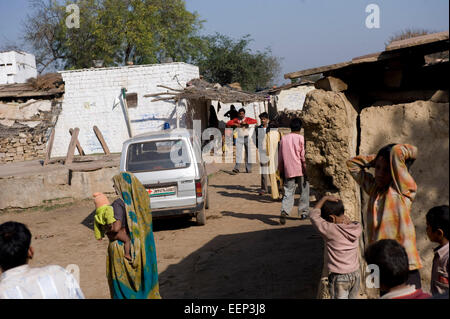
(49, 282)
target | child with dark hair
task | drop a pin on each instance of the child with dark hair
(391, 193)
(342, 240)
(437, 231)
(392, 261)
(20, 281)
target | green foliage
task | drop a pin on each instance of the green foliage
(227, 61)
(115, 31)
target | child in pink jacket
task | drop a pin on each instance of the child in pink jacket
(342, 240)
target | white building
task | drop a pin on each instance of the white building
(290, 97)
(16, 67)
(93, 97)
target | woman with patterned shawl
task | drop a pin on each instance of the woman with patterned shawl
(138, 278)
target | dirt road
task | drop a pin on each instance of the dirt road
(242, 251)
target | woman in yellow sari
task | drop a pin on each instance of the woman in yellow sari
(138, 278)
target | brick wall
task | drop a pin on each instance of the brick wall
(92, 98)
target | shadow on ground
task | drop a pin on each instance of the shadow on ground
(159, 224)
(272, 220)
(278, 263)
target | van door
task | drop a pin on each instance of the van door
(166, 168)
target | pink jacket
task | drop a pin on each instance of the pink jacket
(341, 241)
(291, 155)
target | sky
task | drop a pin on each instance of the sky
(304, 33)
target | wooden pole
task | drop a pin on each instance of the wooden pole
(176, 112)
(125, 112)
(79, 148)
(49, 147)
(72, 145)
(101, 140)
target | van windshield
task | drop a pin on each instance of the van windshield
(157, 156)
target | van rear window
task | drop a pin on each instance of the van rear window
(157, 156)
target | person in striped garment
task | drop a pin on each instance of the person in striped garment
(391, 193)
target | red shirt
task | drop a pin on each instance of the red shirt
(237, 120)
(418, 294)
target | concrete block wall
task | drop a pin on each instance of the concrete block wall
(92, 97)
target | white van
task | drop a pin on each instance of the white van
(170, 166)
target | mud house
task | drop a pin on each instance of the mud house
(28, 112)
(113, 100)
(399, 95)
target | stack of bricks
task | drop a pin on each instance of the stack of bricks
(23, 147)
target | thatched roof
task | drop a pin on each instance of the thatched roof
(201, 89)
(43, 85)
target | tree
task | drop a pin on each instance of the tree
(115, 31)
(227, 61)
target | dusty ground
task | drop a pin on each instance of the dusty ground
(242, 251)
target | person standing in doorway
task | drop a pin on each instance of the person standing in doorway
(292, 167)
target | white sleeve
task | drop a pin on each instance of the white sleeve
(74, 290)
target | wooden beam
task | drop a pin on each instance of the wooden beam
(158, 94)
(79, 148)
(424, 39)
(318, 70)
(101, 140)
(72, 145)
(49, 147)
(166, 87)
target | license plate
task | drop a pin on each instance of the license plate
(162, 191)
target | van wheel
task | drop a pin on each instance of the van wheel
(201, 216)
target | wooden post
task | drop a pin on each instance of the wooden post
(101, 140)
(125, 111)
(176, 112)
(72, 145)
(49, 147)
(79, 148)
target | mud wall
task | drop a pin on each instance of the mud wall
(330, 124)
(58, 185)
(424, 124)
(334, 133)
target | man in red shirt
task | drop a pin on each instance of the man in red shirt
(242, 123)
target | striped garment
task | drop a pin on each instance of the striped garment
(389, 211)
